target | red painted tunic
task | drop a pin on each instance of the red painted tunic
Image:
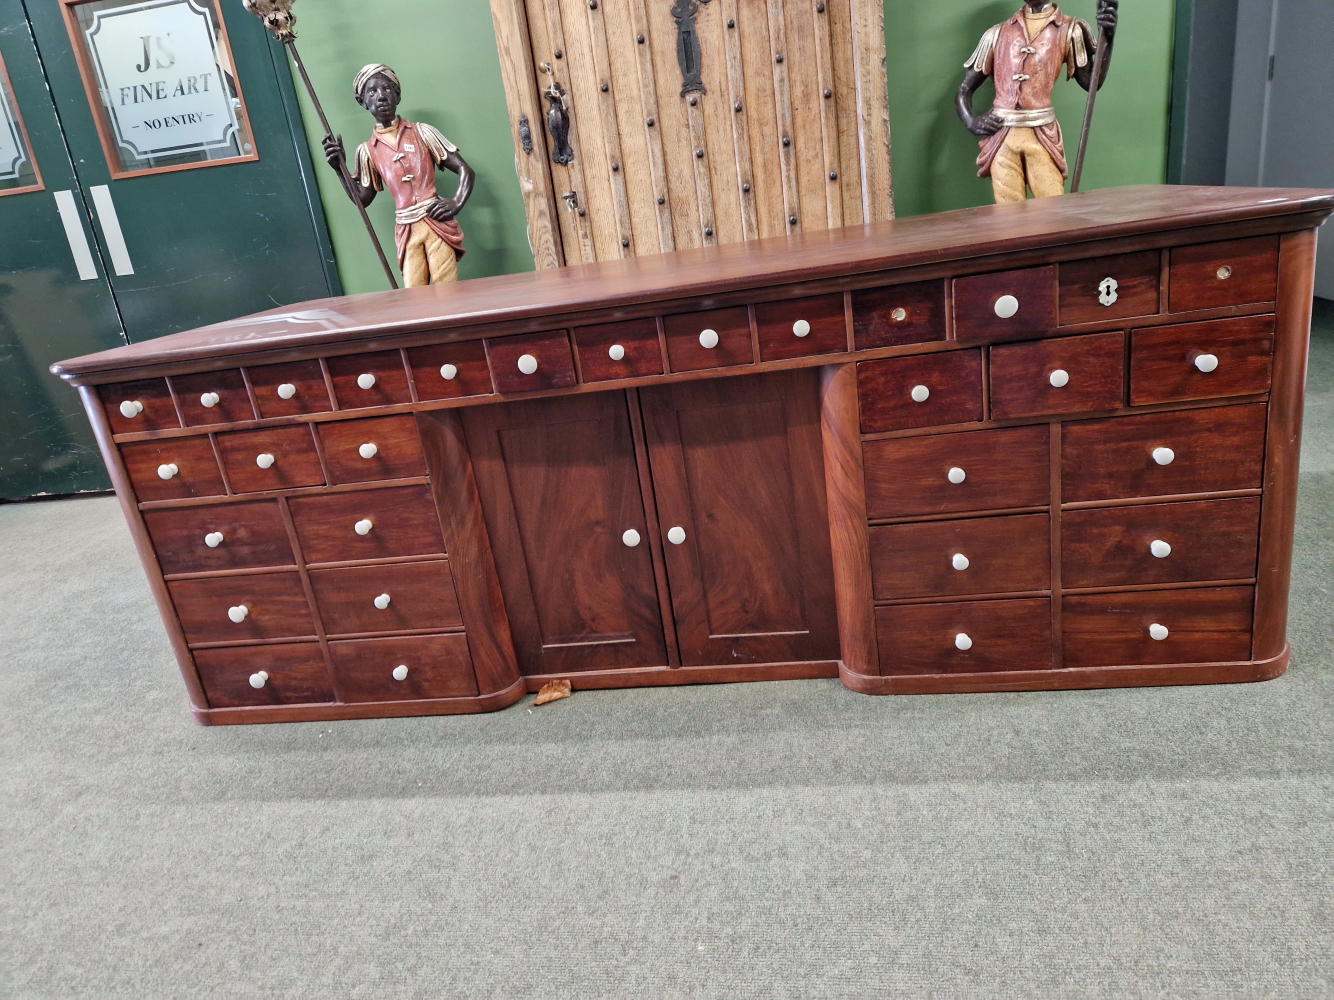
(407, 169)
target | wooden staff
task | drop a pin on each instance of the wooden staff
(1099, 61)
(278, 19)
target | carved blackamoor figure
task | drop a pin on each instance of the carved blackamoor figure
(403, 156)
(1021, 138)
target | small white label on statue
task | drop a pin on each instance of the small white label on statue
(1107, 291)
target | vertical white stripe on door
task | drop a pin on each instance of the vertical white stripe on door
(106, 215)
(72, 219)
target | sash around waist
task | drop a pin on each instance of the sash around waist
(1020, 118)
(414, 213)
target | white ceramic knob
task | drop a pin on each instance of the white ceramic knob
(1158, 632)
(286, 391)
(1059, 379)
(213, 539)
(210, 399)
(527, 364)
(1006, 306)
(365, 380)
(630, 537)
(264, 461)
(801, 328)
(363, 527)
(401, 672)
(676, 535)
(708, 339)
(1160, 549)
(382, 601)
(899, 314)
(449, 372)
(258, 680)
(1164, 456)
(956, 475)
(167, 470)
(920, 394)
(238, 614)
(1206, 362)
(963, 641)
(960, 561)
(368, 450)
(131, 408)
(616, 352)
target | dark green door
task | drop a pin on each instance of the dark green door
(47, 311)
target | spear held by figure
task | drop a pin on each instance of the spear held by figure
(279, 20)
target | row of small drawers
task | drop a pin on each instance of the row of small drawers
(1204, 625)
(355, 600)
(1235, 272)
(397, 668)
(1079, 374)
(1100, 547)
(277, 458)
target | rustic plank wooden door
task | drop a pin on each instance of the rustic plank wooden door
(559, 486)
(738, 477)
(642, 126)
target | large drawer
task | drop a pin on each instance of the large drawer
(922, 391)
(1228, 357)
(236, 608)
(1163, 454)
(1160, 543)
(436, 666)
(367, 524)
(226, 536)
(398, 597)
(1207, 625)
(984, 555)
(246, 676)
(963, 637)
(947, 473)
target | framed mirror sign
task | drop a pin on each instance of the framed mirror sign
(161, 83)
(18, 170)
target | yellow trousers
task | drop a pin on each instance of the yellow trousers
(428, 260)
(1020, 161)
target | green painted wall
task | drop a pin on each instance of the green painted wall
(445, 54)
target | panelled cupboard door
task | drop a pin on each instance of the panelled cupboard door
(560, 490)
(642, 126)
(739, 484)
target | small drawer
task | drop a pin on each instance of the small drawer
(1231, 273)
(377, 379)
(1207, 625)
(138, 406)
(1066, 375)
(800, 328)
(246, 676)
(450, 371)
(236, 608)
(363, 451)
(1160, 543)
(1226, 357)
(1109, 288)
(985, 555)
(414, 596)
(717, 339)
(921, 391)
(367, 524)
(533, 361)
(619, 350)
(947, 473)
(898, 314)
(433, 666)
(280, 458)
(290, 390)
(212, 398)
(173, 469)
(964, 637)
(228, 536)
(991, 305)
(1163, 454)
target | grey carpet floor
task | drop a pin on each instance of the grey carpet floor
(763, 840)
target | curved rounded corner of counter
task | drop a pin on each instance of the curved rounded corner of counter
(863, 683)
(1274, 666)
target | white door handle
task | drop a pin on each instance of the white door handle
(676, 535)
(382, 601)
(258, 680)
(238, 614)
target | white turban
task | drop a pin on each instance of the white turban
(363, 77)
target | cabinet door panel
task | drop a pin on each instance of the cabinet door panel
(560, 487)
(737, 466)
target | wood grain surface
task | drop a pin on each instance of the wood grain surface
(297, 675)
(1223, 274)
(1162, 360)
(403, 524)
(228, 385)
(159, 409)
(438, 667)
(398, 452)
(975, 300)
(295, 460)
(637, 338)
(1021, 376)
(198, 474)
(472, 375)
(876, 323)
(953, 381)
(253, 535)
(1006, 635)
(828, 333)
(1136, 291)
(306, 377)
(276, 603)
(1204, 625)
(685, 352)
(1005, 555)
(555, 363)
(421, 597)
(391, 379)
